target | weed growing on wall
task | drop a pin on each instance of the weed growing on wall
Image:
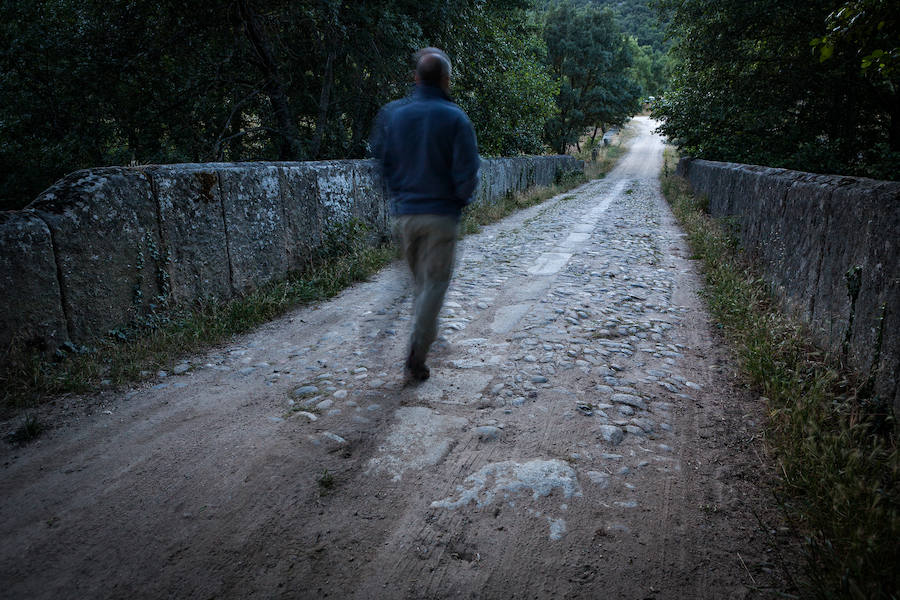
(837, 452)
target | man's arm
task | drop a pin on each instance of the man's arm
(466, 162)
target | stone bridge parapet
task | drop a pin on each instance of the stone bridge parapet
(829, 246)
(105, 246)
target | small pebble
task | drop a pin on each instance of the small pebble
(333, 437)
(306, 390)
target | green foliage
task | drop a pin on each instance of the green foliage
(649, 47)
(28, 431)
(866, 29)
(638, 19)
(326, 480)
(504, 85)
(650, 69)
(589, 57)
(748, 88)
(90, 83)
(834, 445)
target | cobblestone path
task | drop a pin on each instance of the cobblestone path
(580, 437)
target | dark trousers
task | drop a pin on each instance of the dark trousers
(428, 242)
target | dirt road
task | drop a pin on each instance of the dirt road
(580, 437)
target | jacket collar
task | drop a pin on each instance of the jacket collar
(426, 91)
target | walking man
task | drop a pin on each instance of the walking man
(430, 165)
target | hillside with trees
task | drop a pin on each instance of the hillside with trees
(640, 21)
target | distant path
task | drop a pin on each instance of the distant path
(579, 438)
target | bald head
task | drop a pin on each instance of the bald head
(418, 54)
(434, 69)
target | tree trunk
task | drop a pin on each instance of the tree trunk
(236, 144)
(894, 131)
(324, 100)
(286, 129)
(358, 128)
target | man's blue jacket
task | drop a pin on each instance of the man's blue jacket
(428, 152)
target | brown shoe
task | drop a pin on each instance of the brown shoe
(416, 369)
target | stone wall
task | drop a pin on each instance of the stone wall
(830, 248)
(104, 246)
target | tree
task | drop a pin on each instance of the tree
(589, 57)
(868, 29)
(503, 83)
(638, 19)
(93, 83)
(749, 89)
(649, 69)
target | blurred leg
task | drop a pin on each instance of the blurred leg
(430, 243)
(435, 267)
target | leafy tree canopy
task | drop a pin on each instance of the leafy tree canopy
(749, 87)
(89, 83)
(868, 29)
(589, 56)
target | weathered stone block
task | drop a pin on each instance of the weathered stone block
(370, 201)
(254, 224)
(193, 231)
(884, 261)
(335, 188)
(108, 249)
(683, 168)
(803, 241)
(766, 232)
(847, 229)
(484, 193)
(32, 311)
(304, 216)
(877, 307)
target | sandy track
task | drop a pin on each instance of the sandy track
(580, 437)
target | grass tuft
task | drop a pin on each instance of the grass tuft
(28, 431)
(834, 445)
(326, 480)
